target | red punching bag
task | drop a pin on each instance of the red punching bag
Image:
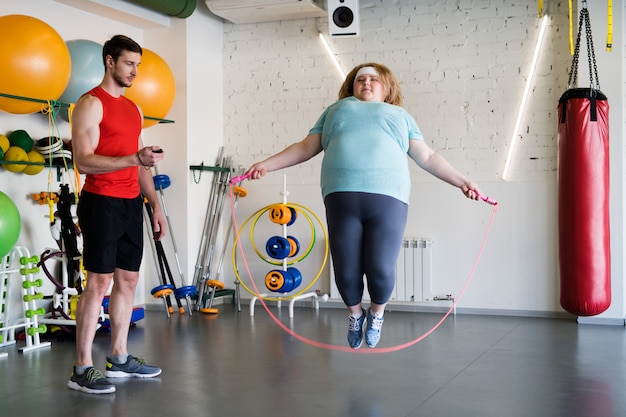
(583, 194)
(583, 202)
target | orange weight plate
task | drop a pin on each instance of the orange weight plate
(218, 285)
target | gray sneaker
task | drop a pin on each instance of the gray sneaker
(355, 331)
(373, 329)
(91, 382)
(134, 367)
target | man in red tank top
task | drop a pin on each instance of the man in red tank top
(107, 148)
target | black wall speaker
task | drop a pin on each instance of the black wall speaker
(343, 17)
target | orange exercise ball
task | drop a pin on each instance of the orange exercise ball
(154, 88)
(35, 63)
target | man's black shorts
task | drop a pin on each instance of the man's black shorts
(112, 230)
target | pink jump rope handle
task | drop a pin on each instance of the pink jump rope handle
(240, 178)
(488, 200)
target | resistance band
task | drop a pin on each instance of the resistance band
(52, 110)
(347, 348)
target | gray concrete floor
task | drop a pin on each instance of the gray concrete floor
(232, 364)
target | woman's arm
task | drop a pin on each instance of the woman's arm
(438, 166)
(292, 155)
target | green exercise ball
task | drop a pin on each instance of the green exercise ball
(10, 224)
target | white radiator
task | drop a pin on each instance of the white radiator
(413, 273)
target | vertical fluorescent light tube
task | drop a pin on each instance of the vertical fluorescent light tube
(522, 107)
(332, 56)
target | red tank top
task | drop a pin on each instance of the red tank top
(119, 135)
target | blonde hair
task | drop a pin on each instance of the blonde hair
(394, 93)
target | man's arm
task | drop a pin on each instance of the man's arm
(86, 119)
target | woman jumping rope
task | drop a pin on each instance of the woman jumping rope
(366, 136)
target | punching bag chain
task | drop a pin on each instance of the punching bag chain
(594, 84)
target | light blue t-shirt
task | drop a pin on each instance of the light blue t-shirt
(365, 147)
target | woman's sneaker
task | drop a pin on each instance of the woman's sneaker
(355, 330)
(134, 367)
(373, 328)
(92, 381)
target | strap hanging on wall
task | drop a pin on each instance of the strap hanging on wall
(571, 28)
(609, 26)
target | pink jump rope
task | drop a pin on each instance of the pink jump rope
(347, 349)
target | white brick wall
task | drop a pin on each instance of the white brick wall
(462, 66)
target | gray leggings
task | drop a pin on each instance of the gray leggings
(365, 235)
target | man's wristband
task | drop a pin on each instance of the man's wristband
(140, 161)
